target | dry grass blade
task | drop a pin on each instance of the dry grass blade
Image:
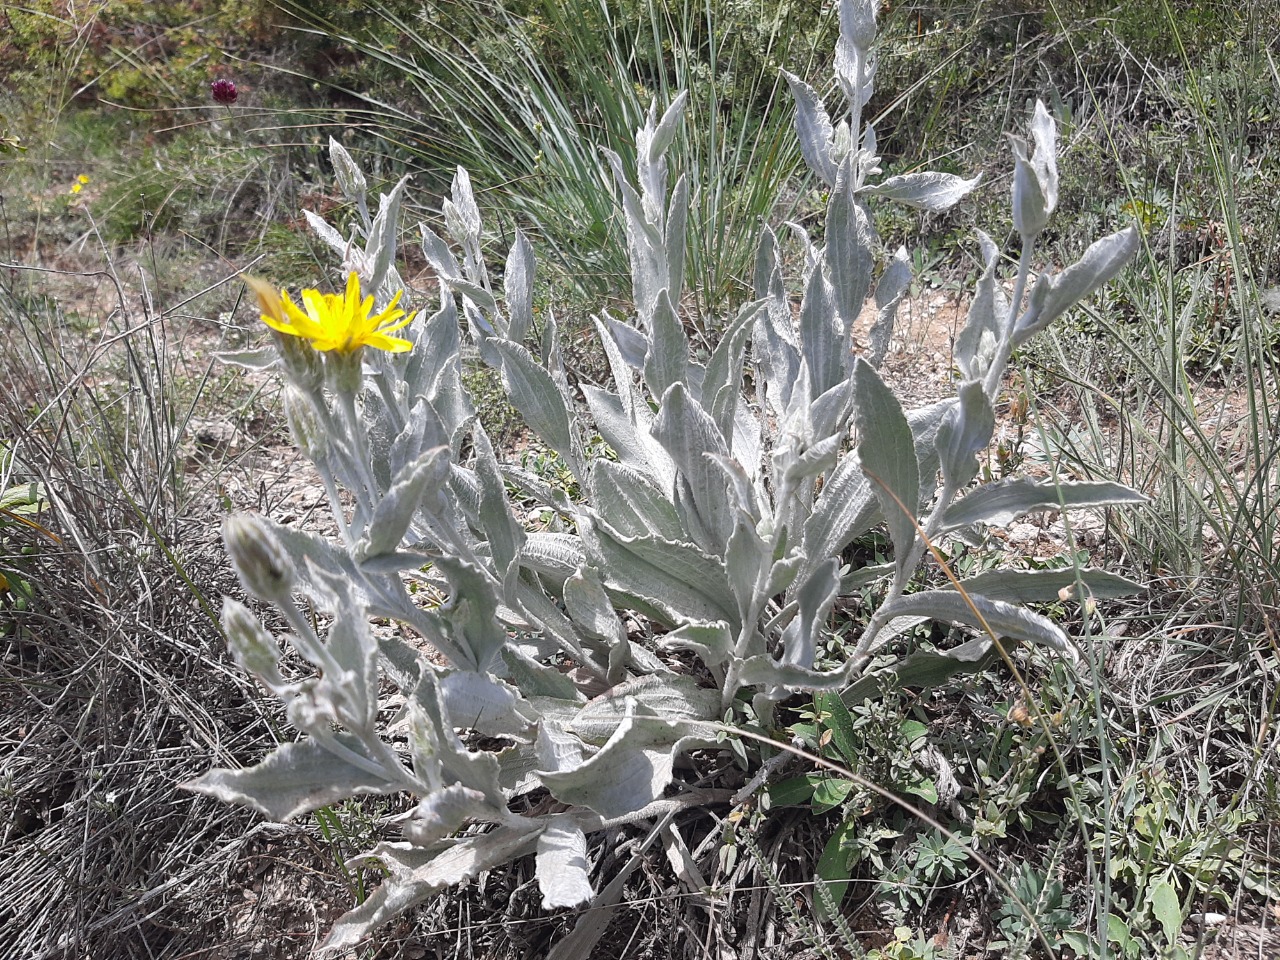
(114, 674)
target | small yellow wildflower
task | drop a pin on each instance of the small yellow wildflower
(79, 184)
(333, 321)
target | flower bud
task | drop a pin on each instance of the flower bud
(259, 558)
(304, 424)
(1030, 206)
(346, 372)
(302, 365)
(250, 644)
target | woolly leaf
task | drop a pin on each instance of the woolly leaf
(294, 779)
(997, 504)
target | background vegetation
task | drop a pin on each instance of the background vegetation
(1148, 795)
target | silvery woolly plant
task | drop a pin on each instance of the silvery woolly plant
(714, 529)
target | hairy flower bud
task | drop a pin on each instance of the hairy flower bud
(1030, 209)
(346, 372)
(259, 558)
(303, 366)
(304, 424)
(250, 643)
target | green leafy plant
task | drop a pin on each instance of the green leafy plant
(1044, 897)
(714, 532)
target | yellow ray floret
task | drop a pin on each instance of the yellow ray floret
(333, 321)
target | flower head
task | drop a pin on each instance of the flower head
(79, 185)
(341, 322)
(223, 91)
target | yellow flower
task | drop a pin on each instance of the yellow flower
(79, 184)
(333, 321)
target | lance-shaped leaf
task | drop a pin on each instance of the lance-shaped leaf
(294, 779)
(472, 610)
(847, 254)
(671, 695)
(589, 606)
(997, 504)
(517, 287)
(554, 555)
(1032, 586)
(395, 511)
(929, 190)
(546, 615)
(965, 430)
(436, 739)
(813, 127)
(631, 344)
(615, 425)
(724, 368)
(745, 559)
(651, 162)
(667, 361)
(633, 768)
(536, 489)
(332, 238)
(505, 534)
(976, 343)
(982, 613)
(649, 270)
(536, 396)
(742, 495)
(814, 599)
(886, 449)
(665, 132)
(443, 811)
(350, 178)
(481, 298)
(438, 254)
(924, 428)
(847, 508)
(763, 671)
(423, 430)
(677, 227)
(712, 642)
(561, 865)
(773, 340)
(349, 667)
(310, 553)
(631, 503)
(262, 358)
(1101, 262)
(893, 285)
(480, 702)
(688, 434)
(462, 215)
(536, 679)
(590, 609)
(923, 670)
(381, 248)
(822, 338)
(416, 874)
(670, 581)
(429, 367)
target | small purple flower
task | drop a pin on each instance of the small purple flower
(223, 91)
